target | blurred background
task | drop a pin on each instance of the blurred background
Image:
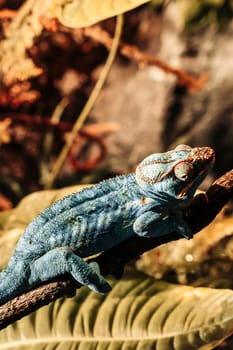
(170, 83)
(48, 71)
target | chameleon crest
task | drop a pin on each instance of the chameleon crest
(146, 203)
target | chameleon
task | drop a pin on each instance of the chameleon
(147, 203)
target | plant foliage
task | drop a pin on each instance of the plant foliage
(139, 313)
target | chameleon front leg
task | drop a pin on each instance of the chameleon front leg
(62, 260)
(152, 224)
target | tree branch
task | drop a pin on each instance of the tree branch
(200, 212)
(133, 53)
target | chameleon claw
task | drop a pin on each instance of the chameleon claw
(95, 266)
(187, 235)
(185, 231)
(103, 286)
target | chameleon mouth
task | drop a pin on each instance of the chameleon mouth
(204, 155)
(185, 190)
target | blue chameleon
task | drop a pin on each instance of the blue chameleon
(147, 203)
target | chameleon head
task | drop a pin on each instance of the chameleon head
(176, 173)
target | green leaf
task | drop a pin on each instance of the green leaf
(82, 13)
(139, 313)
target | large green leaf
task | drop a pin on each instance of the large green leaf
(82, 13)
(139, 313)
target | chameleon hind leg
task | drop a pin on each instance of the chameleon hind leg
(62, 260)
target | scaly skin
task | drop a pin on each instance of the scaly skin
(147, 203)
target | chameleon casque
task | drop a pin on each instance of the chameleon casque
(147, 203)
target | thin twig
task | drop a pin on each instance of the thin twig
(88, 106)
(135, 54)
(7, 13)
(201, 211)
(49, 139)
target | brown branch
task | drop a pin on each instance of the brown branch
(7, 13)
(201, 211)
(132, 52)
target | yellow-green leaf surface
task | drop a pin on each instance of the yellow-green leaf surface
(13, 222)
(211, 248)
(139, 313)
(82, 13)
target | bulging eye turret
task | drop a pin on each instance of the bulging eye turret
(183, 170)
(183, 148)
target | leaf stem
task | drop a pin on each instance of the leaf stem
(88, 106)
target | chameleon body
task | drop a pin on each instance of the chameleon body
(147, 203)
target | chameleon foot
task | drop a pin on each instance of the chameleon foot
(60, 261)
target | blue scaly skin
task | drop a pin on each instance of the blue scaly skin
(147, 203)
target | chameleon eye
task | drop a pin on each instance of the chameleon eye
(183, 171)
(183, 148)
